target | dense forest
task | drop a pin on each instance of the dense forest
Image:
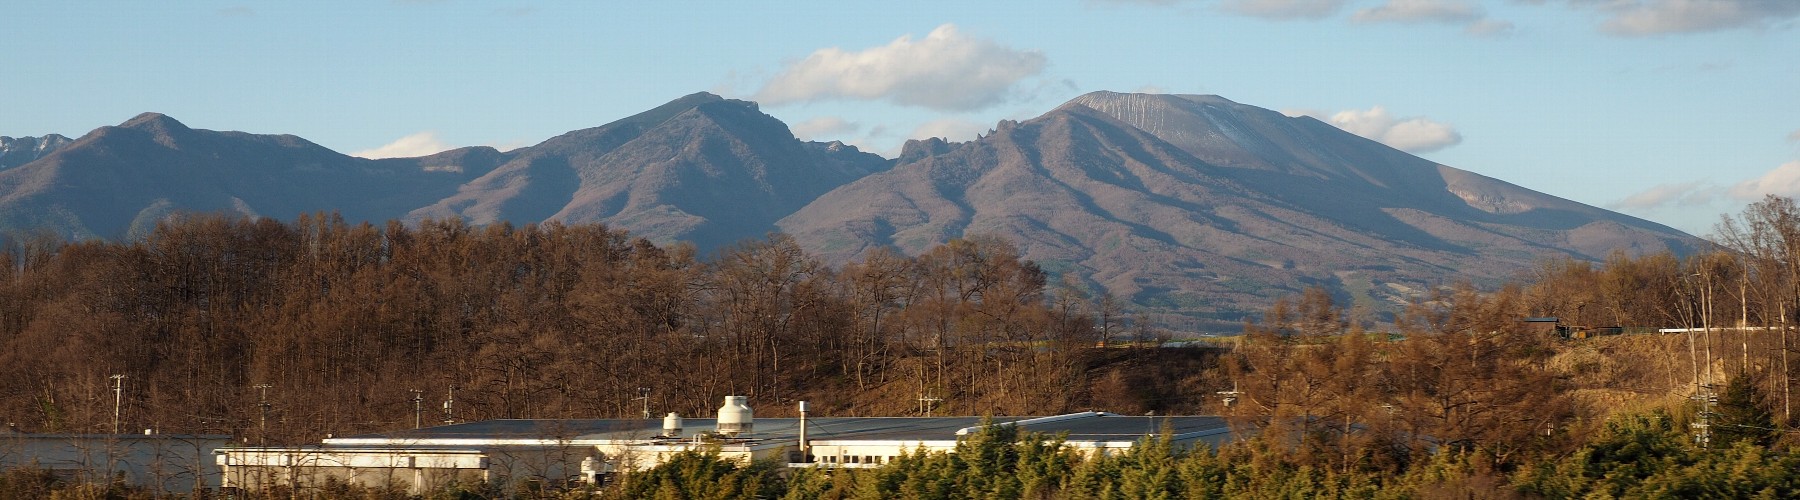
(1682, 392)
(330, 328)
(1456, 396)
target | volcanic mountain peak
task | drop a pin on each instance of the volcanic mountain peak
(700, 168)
(1215, 130)
(1198, 205)
(1187, 204)
(156, 123)
(1111, 102)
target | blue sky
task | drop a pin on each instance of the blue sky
(1677, 111)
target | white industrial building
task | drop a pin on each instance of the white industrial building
(561, 452)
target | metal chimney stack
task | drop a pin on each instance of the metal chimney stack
(805, 448)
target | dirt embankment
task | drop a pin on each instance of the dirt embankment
(1625, 373)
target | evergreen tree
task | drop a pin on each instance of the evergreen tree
(1741, 416)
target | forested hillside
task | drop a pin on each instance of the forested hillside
(343, 322)
(1459, 397)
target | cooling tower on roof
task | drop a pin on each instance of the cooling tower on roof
(672, 425)
(735, 417)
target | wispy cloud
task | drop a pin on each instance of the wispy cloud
(1450, 12)
(825, 127)
(1420, 11)
(420, 144)
(1684, 194)
(1489, 28)
(950, 129)
(946, 70)
(1413, 134)
(1794, 136)
(1665, 17)
(1782, 181)
(1283, 9)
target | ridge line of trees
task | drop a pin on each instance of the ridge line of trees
(343, 321)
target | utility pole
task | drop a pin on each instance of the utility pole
(644, 395)
(927, 403)
(450, 407)
(418, 408)
(1703, 428)
(118, 399)
(1744, 320)
(262, 426)
(1787, 407)
(1706, 314)
(1230, 397)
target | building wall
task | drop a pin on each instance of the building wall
(415, 471)
(415, 481)
(871, 453)
(261, 469)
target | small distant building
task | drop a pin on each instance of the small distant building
(163, 463)
(560, 453)
(1548, 325)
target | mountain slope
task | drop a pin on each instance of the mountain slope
(116, 182)
(22, 150)
(1210, 209)
(701, 168)
(1192, 206)
(1329, 171)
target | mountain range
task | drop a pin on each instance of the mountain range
(22, 150)
(1198, 209)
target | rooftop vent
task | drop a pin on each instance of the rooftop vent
(672, 425)
(735, 417)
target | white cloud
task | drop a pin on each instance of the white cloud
(420, 144)
(1794, 136)
(1452, 12)
(1415, 134)
(950, 129)
(1283, 9)
(1489, 28)
(1416, 11)
(1662, 17)
(1684, 194)
(945, 70)
(824, 127)
(1782, 181)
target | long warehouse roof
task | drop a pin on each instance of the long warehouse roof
(1088, 426)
